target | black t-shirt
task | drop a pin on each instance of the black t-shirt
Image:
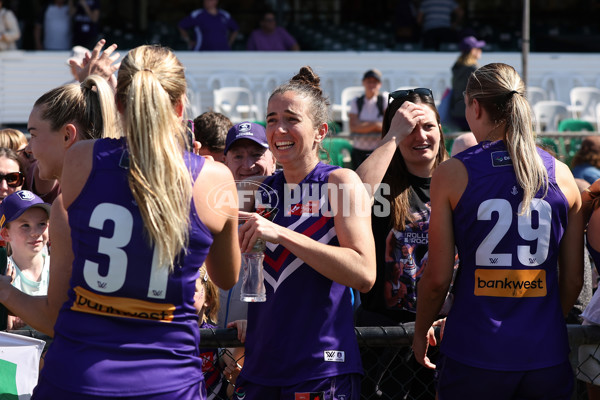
(401, 257)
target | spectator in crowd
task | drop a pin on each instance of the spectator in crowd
(586, 162)
(210, 131)
(436, 18)
(522, 278)
(213, 28)
(366, 115)
(15, 140)
(53, 29)
(462, 69)
(206, 303)
(411, 149)
(24, 226)
(247, 152)
(270, 37)
(311, 254)
(247, 155)
(217, 364)
(10, 32)
(11, 172)
(86, 14)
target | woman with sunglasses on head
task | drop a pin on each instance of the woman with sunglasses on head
(319, 245)
(513, 213)
(399, 173)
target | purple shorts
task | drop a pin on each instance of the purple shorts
(342, 387)
(456, 380)
(47, 391)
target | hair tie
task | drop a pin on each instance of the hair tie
(148, 70)
(513, 92)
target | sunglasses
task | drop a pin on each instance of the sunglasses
(400, 94)
(13, 179)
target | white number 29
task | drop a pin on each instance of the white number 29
(485, 255)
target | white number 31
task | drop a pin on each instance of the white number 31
(113, 246)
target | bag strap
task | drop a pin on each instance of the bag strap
(380, 100)
(360, 102)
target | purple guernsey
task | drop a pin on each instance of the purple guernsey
(127, 319)
(506, 313)
(305, 329)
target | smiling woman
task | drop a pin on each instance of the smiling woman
(308, 250)
(411, 149)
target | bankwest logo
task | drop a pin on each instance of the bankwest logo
(510, 282)
(92, 303)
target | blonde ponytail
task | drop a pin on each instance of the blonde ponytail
(90, 105)
(150, 90)
(500, 91)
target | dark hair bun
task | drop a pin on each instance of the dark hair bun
(306, 76)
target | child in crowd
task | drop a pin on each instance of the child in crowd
(206, 303)
(24, 226)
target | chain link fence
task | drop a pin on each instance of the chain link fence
(390, 370)
(392, 373)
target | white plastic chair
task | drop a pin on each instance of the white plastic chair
(548, 114)
(229, 79)
(536, 94)
(347, 95)
(558, 85)
(583, 102)
(237, 103)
